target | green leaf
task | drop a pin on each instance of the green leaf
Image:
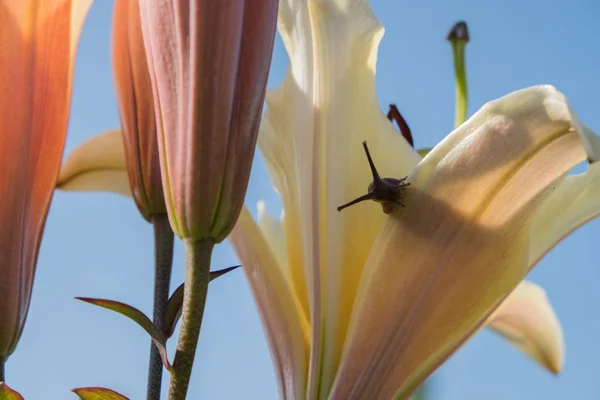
(139, 318)
(173, 309)
(96, 393)
(215, 274)
(6, 393)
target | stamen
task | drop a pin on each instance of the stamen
(394, 115)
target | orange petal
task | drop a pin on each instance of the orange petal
(38, 39)
(136, 106)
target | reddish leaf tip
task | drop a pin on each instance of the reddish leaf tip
(6, 393)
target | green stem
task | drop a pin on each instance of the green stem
(163, 261)
(2, 362)
(458, 51)
(197, 276)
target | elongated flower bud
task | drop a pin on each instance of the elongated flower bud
(209, 61)
(36, 64)
(136, 106)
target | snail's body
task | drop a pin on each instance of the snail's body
(387, 191)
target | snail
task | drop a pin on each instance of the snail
(387, 191)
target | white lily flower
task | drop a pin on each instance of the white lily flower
(363, 304)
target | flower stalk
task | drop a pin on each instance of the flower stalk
(209, 64)
(2, 362)
(197, 276)
(163, 252)
(458, 38)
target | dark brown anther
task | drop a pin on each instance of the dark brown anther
(459, 32)
(394, 115)
(386, 191)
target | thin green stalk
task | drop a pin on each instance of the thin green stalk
(2, 362)
(458, 50)
(197, 276)
(163, 261)
(459, 37)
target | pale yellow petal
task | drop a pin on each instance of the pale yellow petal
(311, 138)
(79, 10)
(272, 230)
(528, 321)
(443, 263)
(279, 157)
(98, 164)
(286, 329)
(574, 202)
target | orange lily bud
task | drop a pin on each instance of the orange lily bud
(209, 62)
(39, 39)
(136, 106)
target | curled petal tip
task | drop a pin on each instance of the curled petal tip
(527, 320)
(98, 164)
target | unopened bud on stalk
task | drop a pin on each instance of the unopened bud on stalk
(209, 63)
(136, 106)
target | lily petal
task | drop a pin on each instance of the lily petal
(36, 64)
(98, 164)
(136, 108)
(527, 320)
(442, 265)
(286, 329)
(272, 230)
(573, 203)
(209, 64)
(309, 134)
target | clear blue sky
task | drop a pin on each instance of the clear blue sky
(97, 245)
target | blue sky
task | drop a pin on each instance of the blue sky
(97, 245)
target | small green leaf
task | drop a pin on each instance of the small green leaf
(139, 318)
(215, 274)
(96, 393)
(424, 152)
(173, 309)
(6, 393)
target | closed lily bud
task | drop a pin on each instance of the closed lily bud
(36, 64)
(209, 62)
(136, 106)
